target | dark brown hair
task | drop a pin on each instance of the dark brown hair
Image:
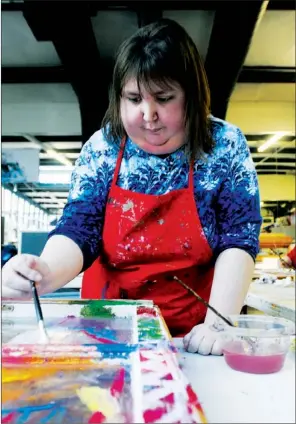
(163, 53)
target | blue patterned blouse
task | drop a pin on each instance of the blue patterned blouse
(225, 189)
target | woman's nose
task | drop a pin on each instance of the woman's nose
(149, 112)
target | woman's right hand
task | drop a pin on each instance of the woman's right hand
(17, 273)
(285, 262)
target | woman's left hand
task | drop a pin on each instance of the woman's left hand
(202, 339)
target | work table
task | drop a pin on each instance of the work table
(272, 300)
(229, 396)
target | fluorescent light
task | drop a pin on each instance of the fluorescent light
(271, 141)
(56, 168)
(49, 150)
(55, 155)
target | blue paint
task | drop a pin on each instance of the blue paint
(57, 413)
(25, 409)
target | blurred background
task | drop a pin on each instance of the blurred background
(57, 60)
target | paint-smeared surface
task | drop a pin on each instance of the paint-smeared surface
(114, 363)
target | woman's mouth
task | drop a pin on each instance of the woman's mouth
(153, 130)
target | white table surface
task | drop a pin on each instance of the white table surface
(272, 300)
(229, 396)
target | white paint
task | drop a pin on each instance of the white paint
(122, 311)
(229, 396)
(158, 370)
(137, 394)
(35, 337)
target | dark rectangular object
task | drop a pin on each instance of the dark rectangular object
(32, 242)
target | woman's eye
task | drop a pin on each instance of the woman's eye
(134, 99)
(164, 99)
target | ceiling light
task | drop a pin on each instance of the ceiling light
(58, 157)
(271, 141)
(49, 150)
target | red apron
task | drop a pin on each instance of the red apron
(147, 239)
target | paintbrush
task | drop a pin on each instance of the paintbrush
(204, 301)
(39, 314)
(251, 342)
(285, 263)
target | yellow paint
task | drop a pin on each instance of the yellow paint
(201, 415)
(168, 334)
(10, 375)
(97, 399)
(293, 345)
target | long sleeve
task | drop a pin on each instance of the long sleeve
(238, 203)
(83, 215)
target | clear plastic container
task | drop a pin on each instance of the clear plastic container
(257, 344)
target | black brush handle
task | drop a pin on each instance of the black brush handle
(36, 300)
(204, 302)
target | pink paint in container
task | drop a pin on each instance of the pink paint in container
(257, 344)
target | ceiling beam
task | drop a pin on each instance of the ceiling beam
(34, 75)
(95, 5)
(233, 28)
(147, 16)
(71, 32)
(59, 75)
(267, 74)
(281, 5)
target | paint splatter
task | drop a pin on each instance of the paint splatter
(97, 418)
(8, 418)
(128, 206)
(144, 310)
(152, 415)
(118, 383)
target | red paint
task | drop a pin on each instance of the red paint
(97, 418)
(118, 383)
(9, 418)
(169, 399)
(191, 395)
(168, 377)
(145, 310)
(142, 358)
(99, 339)
(152, 415)
(255, 364)
(189, 409)
(151, 247)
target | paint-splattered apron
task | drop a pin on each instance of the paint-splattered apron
(147, 239)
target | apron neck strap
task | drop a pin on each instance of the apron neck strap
(191, 175)
(119, 159)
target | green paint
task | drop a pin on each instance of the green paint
(102, 308)
(97, 311)
(149, 329)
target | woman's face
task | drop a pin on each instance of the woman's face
(154, 121)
